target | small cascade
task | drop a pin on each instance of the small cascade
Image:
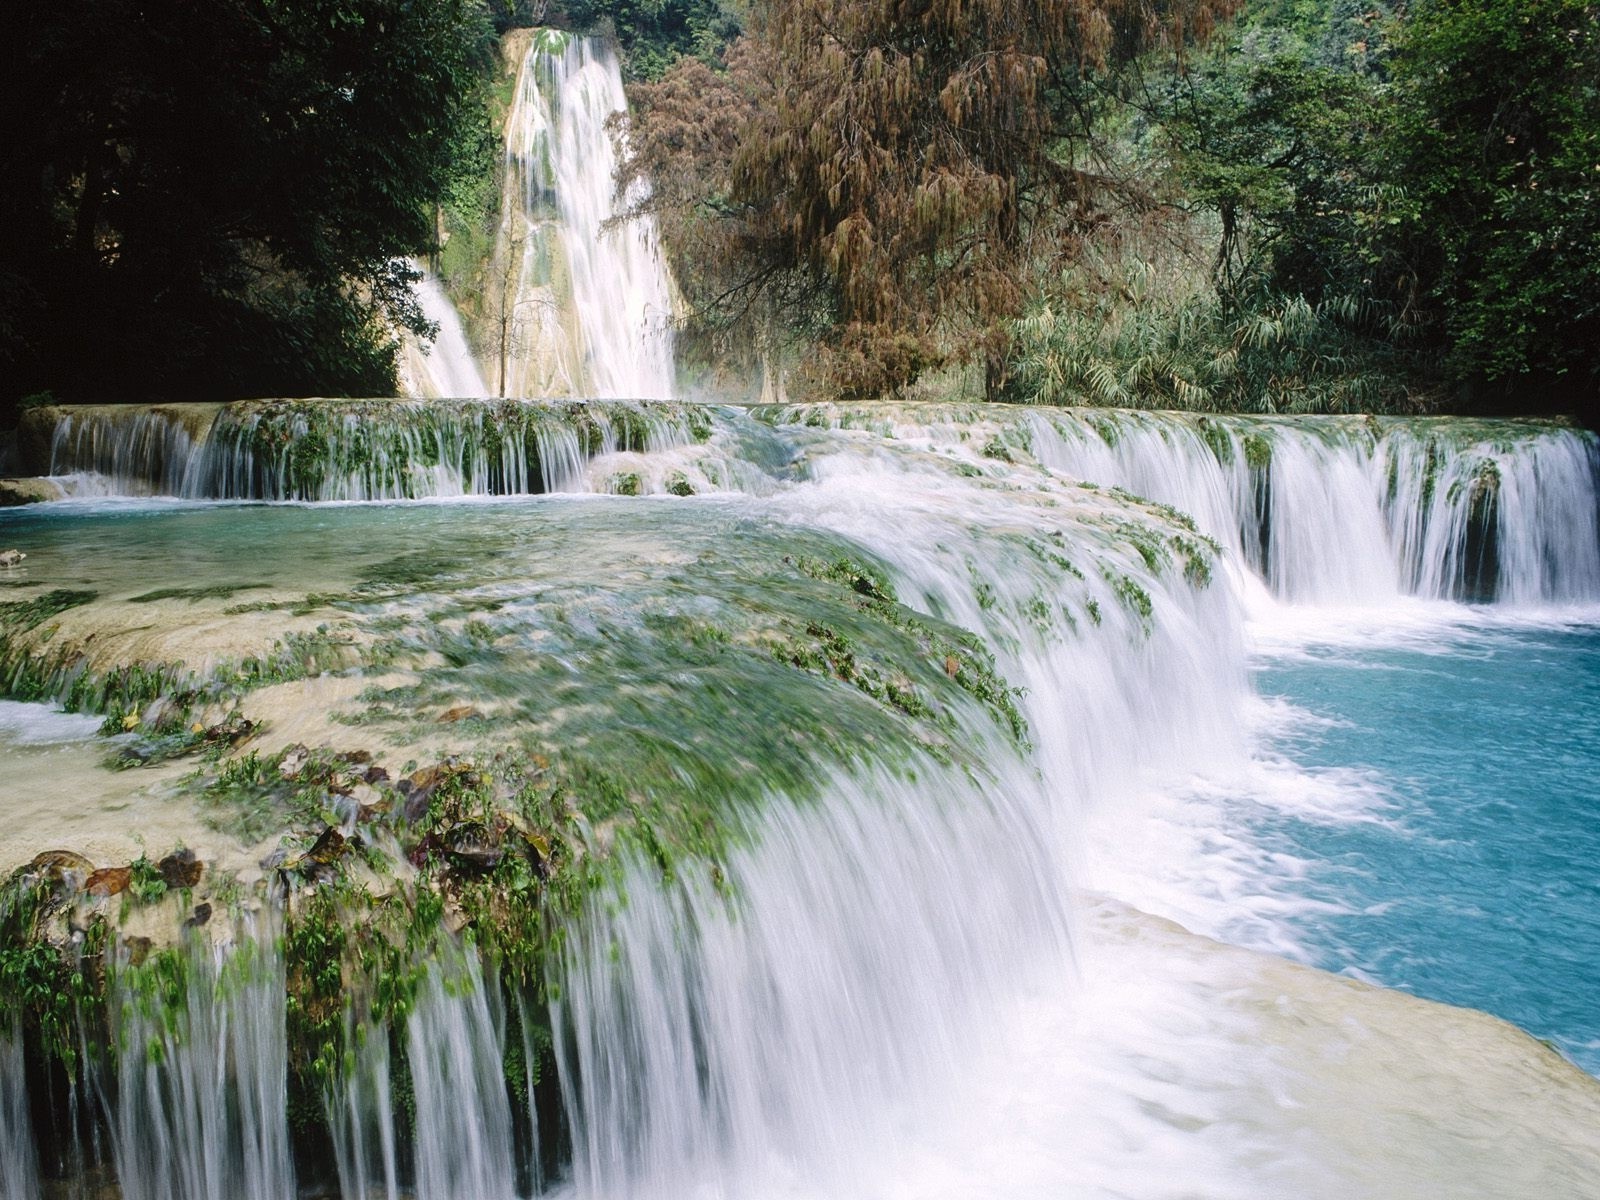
(563, 242)
(198, 1110)
(1328, 510)
(19, 1161)
(358, 450)
(447, 368)
(136, 451)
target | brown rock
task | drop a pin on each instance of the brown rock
(329, 848)
(461, 712)
(58, 867)
(14, 493)
(180, 869)
(109, 881)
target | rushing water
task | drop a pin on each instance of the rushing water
(937, 977)
(448, 366)
(569, 245)
(1463, 866)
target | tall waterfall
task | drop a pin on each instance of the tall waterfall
(563, 244)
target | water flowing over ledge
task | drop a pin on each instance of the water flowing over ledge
(828, 741)
(353, 449)
(1322, 510)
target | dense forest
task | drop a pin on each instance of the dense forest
(1288, 205)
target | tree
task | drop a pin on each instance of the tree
(214, 198)
(1495, 133)
(908, 160)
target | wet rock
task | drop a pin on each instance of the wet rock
(328, 849)
(375, 776)
(11, 558)
(14, 493)
(137, 949)
(418, 788)
(180, 870)
(109, 881)
(61, 869)
(293, 761)
(230, 731)
(201, 914)
(366, 798)
(473, 847)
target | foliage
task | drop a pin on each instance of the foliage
(903, 168)
(215, 200)
(1424, 183)
(654, 34)
(1164, 340)
(1495, 130)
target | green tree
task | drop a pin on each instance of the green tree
(654, 34)
(1495, 133)
(214, 198)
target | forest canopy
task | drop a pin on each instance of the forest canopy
(1318, 206)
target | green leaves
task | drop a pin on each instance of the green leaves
(217, 198)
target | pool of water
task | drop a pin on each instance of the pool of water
(1466, 864)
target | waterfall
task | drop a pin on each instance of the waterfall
(356, 450)
(778, 1029)
(199, 1108)
(563, 240)
(447, 367)
(19, 1163)
(1315, 510)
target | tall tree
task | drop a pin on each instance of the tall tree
(910, 158)
(213, 198)
(1495, 134)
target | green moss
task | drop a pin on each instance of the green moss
(1133, 597)
(216, 592)
(1217, 439)
(1257, 452)
(21, 616)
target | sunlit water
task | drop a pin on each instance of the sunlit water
(940, 983)
(1465, 866)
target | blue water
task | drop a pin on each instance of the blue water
(1475, 878)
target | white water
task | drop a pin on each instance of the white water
(369, 450)
(201, 1104)
(450, 370)
(562, 146)
(19, 1164)
(1343, 517)
(906, 997)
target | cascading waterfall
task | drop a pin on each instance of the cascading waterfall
(19, 1162)
(1339, 512)
(448, 368)
(200, 1103)
(1325, 510)
(763, 1037)
(356, 450)
(567, 239)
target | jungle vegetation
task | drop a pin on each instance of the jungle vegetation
(1287, 205)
